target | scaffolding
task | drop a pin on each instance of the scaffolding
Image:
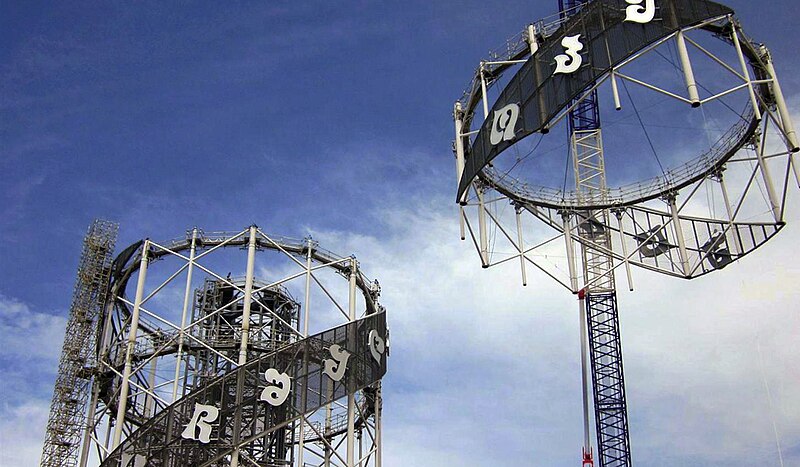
(66, 424)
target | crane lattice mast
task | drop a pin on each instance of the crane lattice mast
(598, 301)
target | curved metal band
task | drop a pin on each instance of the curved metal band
(127, 262)
(608, 41)
(159, 441)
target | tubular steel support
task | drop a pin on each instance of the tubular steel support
(587, 442)
(783, 109)
(186, 296)
(688, 72)
(247, 304)
(351, 398)
(131, 343)
(482, 227)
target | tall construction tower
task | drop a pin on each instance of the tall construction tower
(78, 364)
(598, 298)
(685, 202)
(220, 349)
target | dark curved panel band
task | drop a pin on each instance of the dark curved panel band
(243, 418)
(608, 41)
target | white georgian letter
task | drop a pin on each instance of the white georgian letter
(505, 120)
(572, 45)
(377, 346)
(335, 367)
(277, 390)
(199, 427)
(638, 13)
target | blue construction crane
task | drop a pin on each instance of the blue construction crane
(601, 320)
(586, 116)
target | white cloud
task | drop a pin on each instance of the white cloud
(31, 343)
(22, 432)
(28, 334)
(483, 368)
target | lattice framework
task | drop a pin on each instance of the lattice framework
(67, 420)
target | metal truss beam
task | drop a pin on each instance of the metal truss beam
(605, 351)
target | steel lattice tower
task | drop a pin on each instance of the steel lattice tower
(599, 297)
(67, 421)
(242, 373)
(558, 67)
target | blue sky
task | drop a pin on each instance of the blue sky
(335, 118)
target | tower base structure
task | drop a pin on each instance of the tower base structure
(605, 354)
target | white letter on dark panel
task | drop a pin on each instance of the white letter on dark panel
(505, 121)
(277, 389)
(335, 367)
(640, 14)
(199, 427)
(572, 45)
(377, 346)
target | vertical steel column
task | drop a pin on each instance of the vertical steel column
(587, 442)
(151, 383)
(618, 214)
(351, 397)
(458, 115)
(688, 72)
(483, 237)
(533, 44)
(186, 295)
(378, 427)
(772, 195)
(676, 225)
(248, 295)
(737, 242)
(122, 405)
(615, 91)
(90, 426)
(301, 444)
(479, 188)
(248, 300)
(745, 70)
(780, 102)
(786, 118)
(485, 96)
(570, 246)
(521, 243)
